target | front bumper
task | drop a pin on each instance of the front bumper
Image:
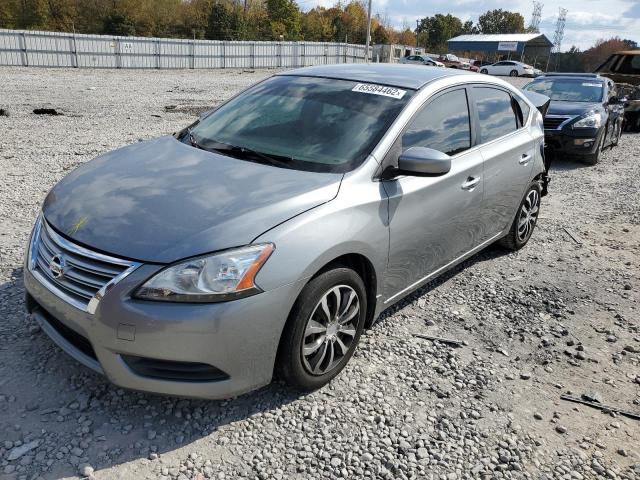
(239, 338)
(573, 142)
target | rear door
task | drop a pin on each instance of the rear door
(434, 220)
(508, 151)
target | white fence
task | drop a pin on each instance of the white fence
(53, 49)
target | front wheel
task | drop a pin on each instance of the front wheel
(594, 158)
(323, 329)
(525, 221)
(513, 73)
(485, 71)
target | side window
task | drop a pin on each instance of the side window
(495, 113)
(443, 124)
(522, 109)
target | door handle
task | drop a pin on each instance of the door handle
(526, 157)
(470, 183)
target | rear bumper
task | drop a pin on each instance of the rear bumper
(238, 339)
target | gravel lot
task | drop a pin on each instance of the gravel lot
(559, 316)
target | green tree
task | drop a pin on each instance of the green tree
(8, 10)
(316, 25)
(284, 16)
(501, 21)
(435, 31)
(570, 61)
(380, 36)
(223, 22)
(118, 24)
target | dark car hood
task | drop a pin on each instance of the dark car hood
(162, 200)
(571, 108)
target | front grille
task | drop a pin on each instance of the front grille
(552, 123)
(174, 370)
(74, 338)
(74, 273)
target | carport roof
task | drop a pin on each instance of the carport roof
(506, 37)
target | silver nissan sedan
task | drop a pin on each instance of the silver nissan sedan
(263, 238)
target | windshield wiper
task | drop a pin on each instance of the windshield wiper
(192, 140)
(245, 152)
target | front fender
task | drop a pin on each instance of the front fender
(355, 222)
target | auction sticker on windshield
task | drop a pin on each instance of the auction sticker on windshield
(379, 90)
(589, 84)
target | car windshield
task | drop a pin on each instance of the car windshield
(569, 89)
(304, 123)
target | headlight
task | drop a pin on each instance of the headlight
(213, 278)
(593, 120)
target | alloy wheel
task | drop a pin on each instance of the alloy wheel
(330, 330)
(528, 215)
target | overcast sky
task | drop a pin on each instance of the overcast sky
(587, 20)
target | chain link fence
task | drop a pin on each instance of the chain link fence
(53, 49)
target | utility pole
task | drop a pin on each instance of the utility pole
(368, 32)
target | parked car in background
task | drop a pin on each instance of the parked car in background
(266, 235)
(511, 68)
(421, 60)
(585, 115)
(450, 60)
(624, 69)
(481, 63)
(469, 66)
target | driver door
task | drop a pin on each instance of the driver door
(434, 220)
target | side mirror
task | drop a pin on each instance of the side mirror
(424, 161)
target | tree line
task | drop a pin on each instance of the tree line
(274, 20)
(202, 19)
(243, 20)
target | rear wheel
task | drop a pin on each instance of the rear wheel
(485, 71)
(513, 73)
(323, 329)
(525, 221)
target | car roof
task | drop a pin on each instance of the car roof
(590, 76)
(628, 52)
(402, 76)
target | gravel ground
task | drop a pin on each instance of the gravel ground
(559, 316)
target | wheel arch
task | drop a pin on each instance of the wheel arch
(360, 264)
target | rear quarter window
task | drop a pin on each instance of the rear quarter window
(496, 115)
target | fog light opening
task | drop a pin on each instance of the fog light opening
(585, 142)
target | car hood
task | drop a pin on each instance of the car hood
(161, 200)
(571, 108)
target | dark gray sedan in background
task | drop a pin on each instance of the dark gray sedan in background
(264, 237)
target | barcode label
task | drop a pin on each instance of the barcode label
(379, 90)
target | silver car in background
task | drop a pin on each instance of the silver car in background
(421, 60)
(268, 234)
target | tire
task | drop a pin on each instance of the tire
(310, 371)
(594, 158)
(513, 73)
(485, 71)
(617, 134)
(529, 211)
